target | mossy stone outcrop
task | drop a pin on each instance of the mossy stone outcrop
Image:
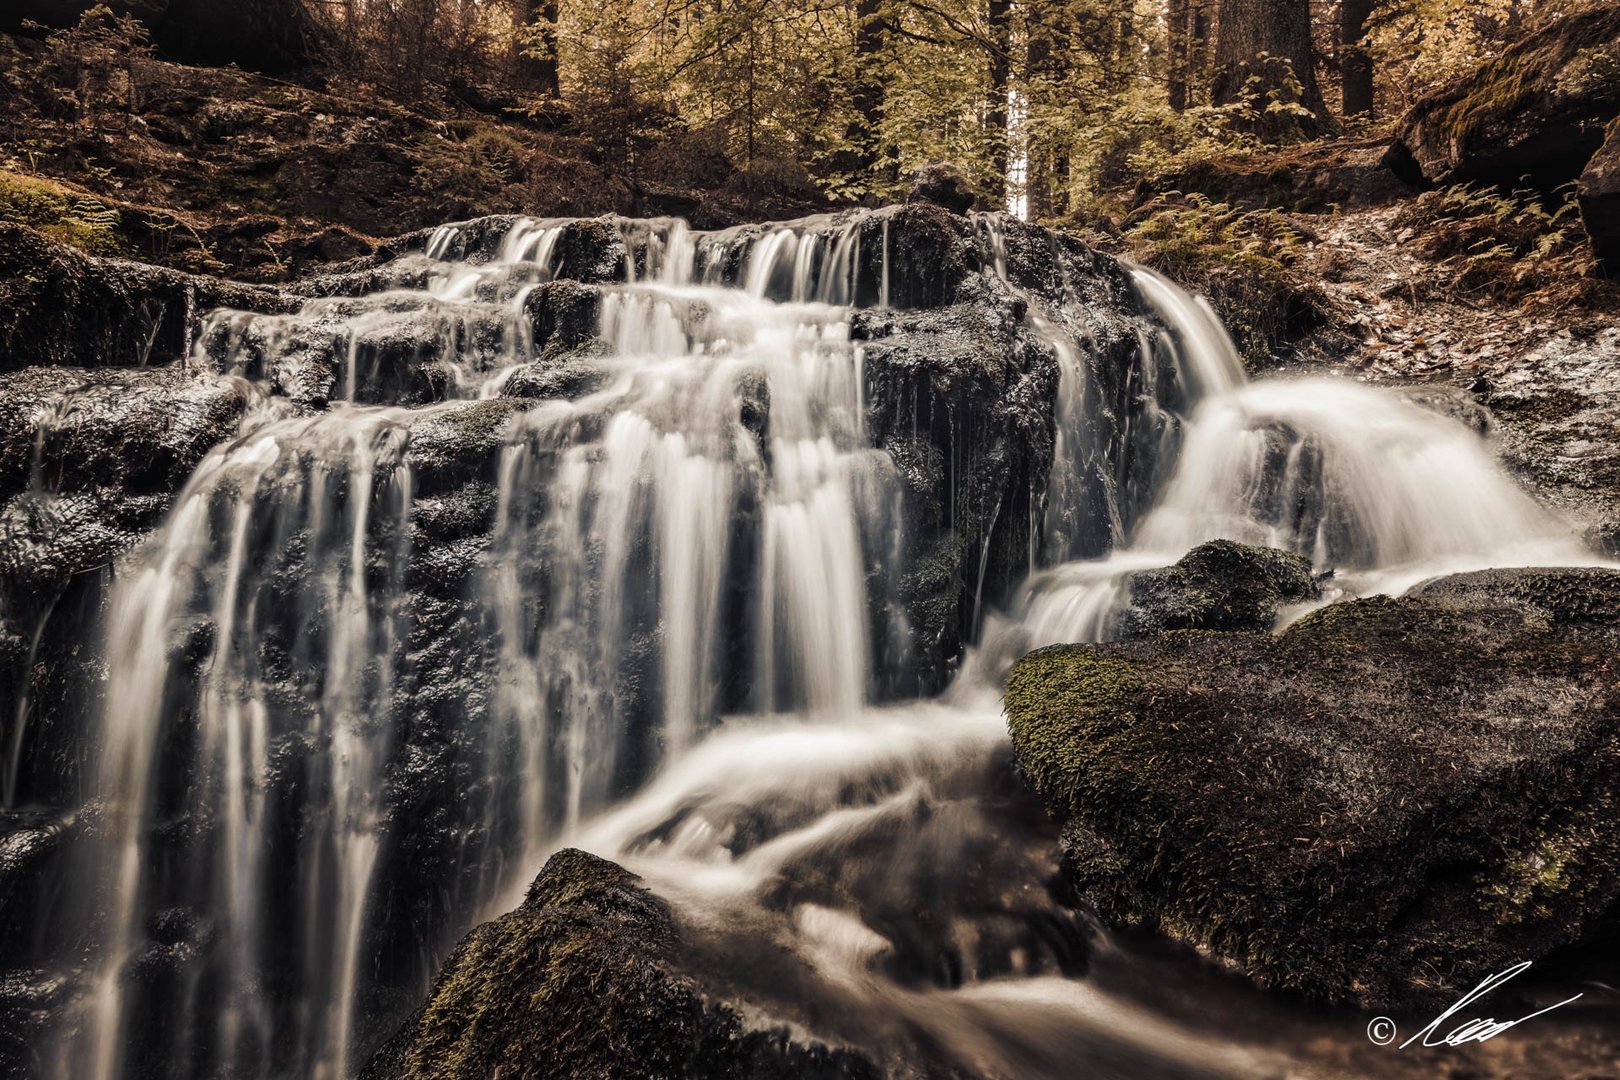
(1221, 585)
(1537, 110)
(1384, 804)
(584, 980)
(60, 306)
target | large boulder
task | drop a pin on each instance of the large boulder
(1384, 804)
(585, 980)
(1538, 110)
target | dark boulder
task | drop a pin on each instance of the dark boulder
(585, 980)
(1538, 110)
(942, 185)
(1384, 804)
(59, 306)
(1220, 585)
(1599, 196)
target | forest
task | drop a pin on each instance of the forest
(1049, 107)
(1052, 108)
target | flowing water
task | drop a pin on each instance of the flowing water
(661, 558)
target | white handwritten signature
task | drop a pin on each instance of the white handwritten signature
(1383, 1032)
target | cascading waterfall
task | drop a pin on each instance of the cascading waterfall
(266, 614)
(305, 496)
(703, 530)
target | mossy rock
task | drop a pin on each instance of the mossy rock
(1539, 109)
(1382, 805)
(60, 306)
(1221, 585)
(583, 980)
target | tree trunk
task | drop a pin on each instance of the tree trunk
(1179, 38)
(1000, 77)
(535, 63)
(868, 93)
(1047, 54)
(1355, 63)
(1280, 32)
(1198, 51)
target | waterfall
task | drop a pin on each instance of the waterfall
(682, 604)
(315, 495)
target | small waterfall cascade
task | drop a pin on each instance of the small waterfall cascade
(690, 534)
(653, 617)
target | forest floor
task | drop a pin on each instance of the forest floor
(1549, 372)
(222, 171)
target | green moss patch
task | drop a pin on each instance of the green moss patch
(1383, 804)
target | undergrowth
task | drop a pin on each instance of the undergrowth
(1242, 260)
(82, 221)
(1502, 245)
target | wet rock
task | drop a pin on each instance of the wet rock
(71, 430)
(1384, 804)
(564, 313)
(585, 979)
(30, 1001)
(89, 462)
(566, 373)
(1220, 585)
(1538, 109)
(960, 399)
(942, 185)
(1599, 196)
(59, 306)
(461, 443)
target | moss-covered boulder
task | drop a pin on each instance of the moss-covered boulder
(584, 980)
(60, 306)
(1384, 804)
(1221, 585)
(1539, 109)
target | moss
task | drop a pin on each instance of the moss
(1063, 706)
(81, 221)
(1374, 793)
